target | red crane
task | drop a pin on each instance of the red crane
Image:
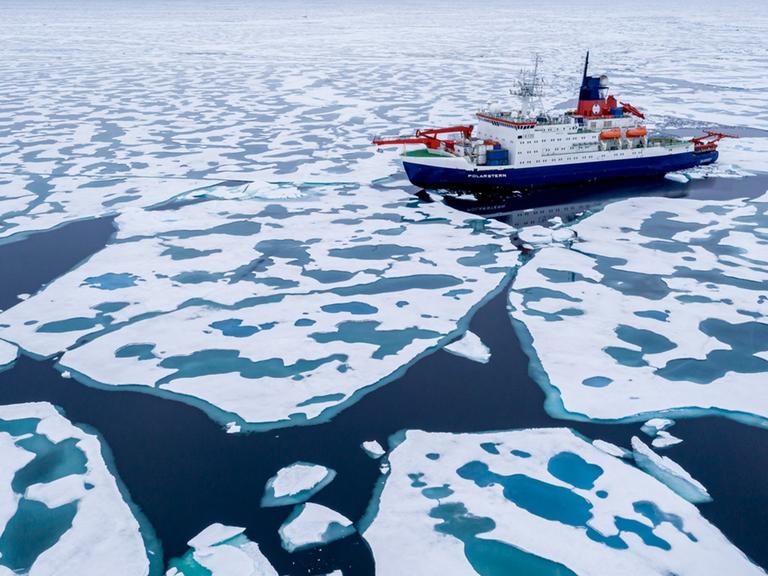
(428, 136)
(627, 107)
(709, 141)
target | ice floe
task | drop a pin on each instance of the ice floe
(654, 425)
(8, 353)
(677, 177)
(470, 346)
(612, 449)
(232, 427)
(664, 439)
(313, 525)
(296, 483)
(61, 508)
(221, 550)
(657, 429)
(214, 534)
(373, 449)
(92, 149)
(224, 302)
(669, 472)
(658, 308)
(541, 501)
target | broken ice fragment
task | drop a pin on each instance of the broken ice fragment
(654, 425)
(470, 346)
(373, 449)
(232, 428)
(214, 534)
(296, 483)
(664, 439)
(677, 177)
(312, 525)
(669, 472)
(221, 550)
(8, 353)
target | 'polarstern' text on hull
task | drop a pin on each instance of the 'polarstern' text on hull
(602, 139)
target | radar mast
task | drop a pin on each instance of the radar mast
(529, 88)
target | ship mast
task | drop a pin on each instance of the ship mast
(529, 88)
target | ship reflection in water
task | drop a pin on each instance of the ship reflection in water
(537, 208)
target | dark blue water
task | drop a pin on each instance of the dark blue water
(185, 472)
(29, 264)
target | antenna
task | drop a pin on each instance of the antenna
(586, 64)
(530, 87)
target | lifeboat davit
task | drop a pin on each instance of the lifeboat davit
(637, 132)
(613, 134)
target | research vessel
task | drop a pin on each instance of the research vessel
(602, 139)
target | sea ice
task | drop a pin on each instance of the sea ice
(214, 534)
(669, 472)
(311, 525)
(296, 483)
(221, 550)
(657, 309)
(664, 439)
(61, 509)
(8, 353)
(677, 177)
(222, 303)
(612, 449)
(373, 449)
(541, 501)
(654, 425)
(470, 346)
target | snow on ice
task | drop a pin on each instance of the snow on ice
(296, 483)
(373, 449)
(221, 550)
(470, 346)
(222, 302)
(658, 308)
(8, 353)
(313, 525)
(534, 501)
(670, 472)
(53, 475)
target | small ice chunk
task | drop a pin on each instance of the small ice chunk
(296, 483)
(664, 439)
(470, 346)
(214, 534)
(654, 425)
(611, 449)
(677, 177)
(23, 296)
(221, 550)
(669, 472)
(384, 467)
(536, 235)
(373, 449)
(233, 427)
(313, 525)
(8, 353)
(66, 374)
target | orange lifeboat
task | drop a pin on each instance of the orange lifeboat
(638, 132)
(612, 134)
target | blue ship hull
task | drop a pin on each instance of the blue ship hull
(434, 177)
